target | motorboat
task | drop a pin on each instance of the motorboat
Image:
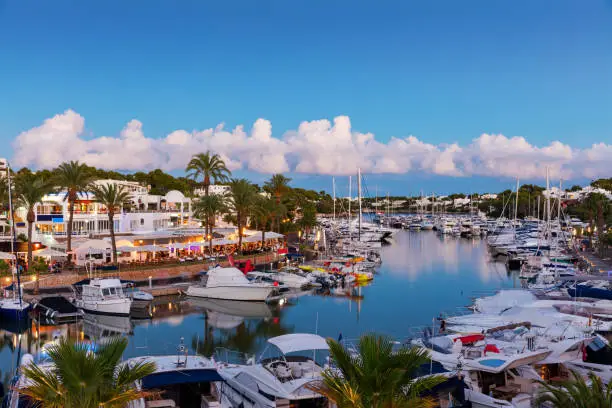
(179, 380)
(14, 308)
(102, 296)
(278, 381)
(231, 284)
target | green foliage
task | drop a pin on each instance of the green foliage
(22, 237)
(377, 377)
(39, 265)
(78, 378)
(576, 393)
(5, 268)
(606, 184)
(207, 208)
(309, 217)
(243, 196)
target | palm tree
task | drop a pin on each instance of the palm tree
(31, 189)
(576, 393)
(207, 208)
(264, 211)
(209, 167)
(81, 379)
(278, 185)
(242, 199)
(377, 377)
(112, 196)
(75, 177)
(309, 218)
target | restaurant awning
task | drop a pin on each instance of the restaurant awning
(49, 252)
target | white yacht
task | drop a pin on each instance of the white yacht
(278, 381)
(231, 284)
(102, 296)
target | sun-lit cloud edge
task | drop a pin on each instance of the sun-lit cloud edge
(315, 147)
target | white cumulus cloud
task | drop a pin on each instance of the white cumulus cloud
(315, 147)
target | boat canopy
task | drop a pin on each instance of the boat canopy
(226, 276)
(290, 343)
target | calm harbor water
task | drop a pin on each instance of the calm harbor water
(422, 275)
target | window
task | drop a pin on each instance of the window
(105, 292)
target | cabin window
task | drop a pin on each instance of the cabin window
(105, 292)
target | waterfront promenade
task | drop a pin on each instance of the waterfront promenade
(185, 271)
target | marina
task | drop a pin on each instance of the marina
(404, 296)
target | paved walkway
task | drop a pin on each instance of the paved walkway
(597, 264)
(186, 271)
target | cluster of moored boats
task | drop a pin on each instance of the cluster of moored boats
(496, 355)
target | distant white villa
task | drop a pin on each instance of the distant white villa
(214, 189)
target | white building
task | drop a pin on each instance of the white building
(144, 213)
(213, 189)
(489, 196)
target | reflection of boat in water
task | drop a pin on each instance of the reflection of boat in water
(98, 326)
(13, 326)
(229, 314)
(233, 307)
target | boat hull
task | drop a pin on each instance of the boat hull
(115, 307)
(249, 294)
(14, 312)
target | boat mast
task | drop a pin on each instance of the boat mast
(350, 218)
(359, 195)
(13, 238)
(548, 205)
(559, 207)
(334, 194)
(516, 201)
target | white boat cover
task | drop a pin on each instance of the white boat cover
(290, 343)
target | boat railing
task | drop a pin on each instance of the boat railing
(225, 355)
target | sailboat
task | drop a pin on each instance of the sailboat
(13, 308)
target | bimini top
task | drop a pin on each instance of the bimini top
(290, 343)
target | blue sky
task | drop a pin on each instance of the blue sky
(443, 71)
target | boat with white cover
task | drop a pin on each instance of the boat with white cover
(102, 296)
(279, 381)
(231, 284)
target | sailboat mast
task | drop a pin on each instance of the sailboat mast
(548, 205)
(334, 194)
(359, 195)
(559, 207)
(516, 201)
(13, 237)
(350, 218)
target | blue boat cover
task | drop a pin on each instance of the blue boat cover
(180, 377)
